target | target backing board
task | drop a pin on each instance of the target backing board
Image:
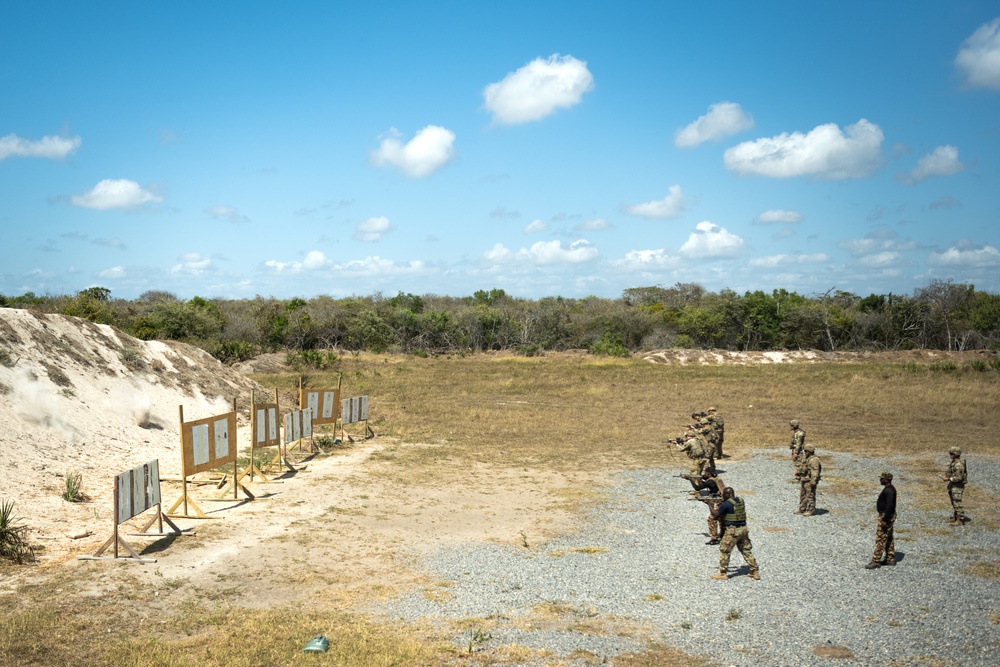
(209, 443)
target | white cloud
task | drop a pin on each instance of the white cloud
(778, 216)
(429, 150)
(646, 260)
(543, 253)
(595, 225)
(314, 260)
(227, 213)
(113, 272)
(987, 256)
(115, 193)
(979, 57)
(535, 226)
(192, 263)
(377, 266)
(710, 240)
(942, 162)
(775, 261)
(880, 259)
(825, 152)
(660, 209)
(538, 89)
(51, 147)
(722, 120)
(372, 229)
(875, 242)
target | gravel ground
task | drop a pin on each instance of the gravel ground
(639, 561)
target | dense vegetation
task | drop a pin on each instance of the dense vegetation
(943, 315)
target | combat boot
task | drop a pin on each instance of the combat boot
(889, 561)
(722, 576)
(875, 564)
(754, 574)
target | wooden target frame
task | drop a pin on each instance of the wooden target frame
(298, 427)
(206, 444)
(265, 431)
(325, 403)
(136, 491)
(354, 411)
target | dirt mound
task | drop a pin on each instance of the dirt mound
(83, 397)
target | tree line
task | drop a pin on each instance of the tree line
(944, 315)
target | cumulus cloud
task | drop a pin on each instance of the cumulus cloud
(710, 240)
(115, 193)
(113, 272)
(192, 263)
(543, 253)
(51, 147)
(777, 261)
(227, 213)
(979, 57)
(942, 162)
(535, 226)
(778, 216)
(646, 260)
(429, 150)
(538, 89)
(986, 256)
(372, 229)
(660, 209)
(825, 152)
(378, 266)
(880, 259)
(722, 120)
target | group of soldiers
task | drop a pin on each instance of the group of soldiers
(727, 517)
(727, 526)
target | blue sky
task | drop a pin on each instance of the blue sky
(546, 149)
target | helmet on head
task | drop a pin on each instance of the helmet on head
(794, 423)
(710, 410)
(955, 450)
(809, 448)
(690, 434)
(885, 477)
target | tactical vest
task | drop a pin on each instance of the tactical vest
(739, 513)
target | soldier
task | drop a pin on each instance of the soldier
(886, 508)
(694, 450)
(720, 428)
(798, 439)
(732, 512)
(956, 477)
(715, 486)
(705, 432)
(808, 470)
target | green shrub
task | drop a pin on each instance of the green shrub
(74, 487)
(979, 365)
(943, 366)
(610, 345)
(13, 539)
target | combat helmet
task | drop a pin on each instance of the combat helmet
(885, 477)
(809, 448)
(794, 423)
(955, 450)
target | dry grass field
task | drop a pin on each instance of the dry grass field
(524, 443)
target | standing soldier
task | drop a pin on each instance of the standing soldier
(809, 472)
(694, 450)
(705, 432)
(733, 514)
(715, 486)
(886, 508)
(798, 440)
(720, 428)
(956, 477)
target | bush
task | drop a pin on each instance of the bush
(13, 539)
(610, 345)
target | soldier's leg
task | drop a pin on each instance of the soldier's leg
(810, 499)
(713, 528)
(956, 501)
(725, 549)
(746, 548)
(803, 494)
(880, 540)
(890, 544)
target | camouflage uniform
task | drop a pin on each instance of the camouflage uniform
(735, 534)
(798, 439)
(956, 477)
(720, 428)
(809, 471)
(885, 506)
(695, 451)
(706, 433)
(714, 485)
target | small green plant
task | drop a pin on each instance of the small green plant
(734, 614)
(73, 491)
(477, 638)
(524, 540)
(995, 363)
(13, 538)
(312, 359)
(943, 366)
(610, 345)
(131, 358)
(5, 358)
(979, 365)
(912, 367)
